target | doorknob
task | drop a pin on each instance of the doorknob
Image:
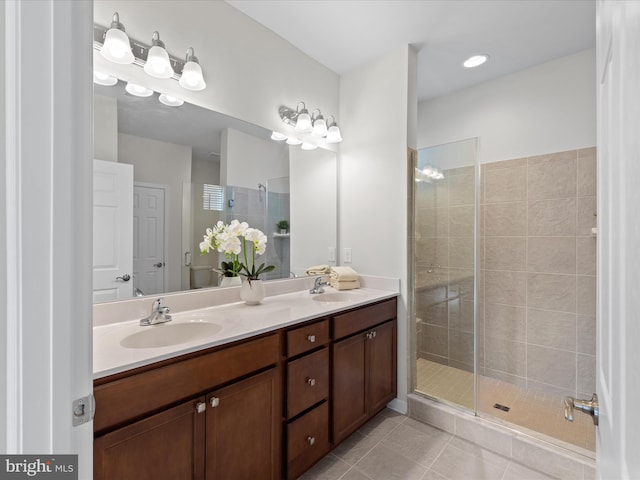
(586, 406)
(159, 264)
(125, 278)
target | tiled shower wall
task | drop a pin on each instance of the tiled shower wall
(537, 272)
(444, 238)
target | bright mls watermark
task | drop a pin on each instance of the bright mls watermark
(51, 467)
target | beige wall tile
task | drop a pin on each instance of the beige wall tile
(432, 222)
(461, 221)
(587, 171)
(586, 255)
(520, 381)
(462, 190)
(586, 334)
(433, 195)
(461, 283)
(549, 389)
(505, 253)
(461, 315)
(586, 216)
(552, 176)
(505, 321)
(461, 346)
(551, 329)
(551, 291)
(516, 162)
(551, 254)
(505, 185)
(431, 252)
(552, 366)
(586, 373)
(505, 355)
(461, 252)
(509, 288)
(586, 291)
(434, 314)
(552, 217)
(436, 340)
(505, 219)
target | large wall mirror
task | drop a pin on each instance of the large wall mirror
(163, 174)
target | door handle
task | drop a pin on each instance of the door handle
(125, 278)
(159, 264)
(587, 406)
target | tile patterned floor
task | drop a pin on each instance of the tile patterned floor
(533, 410)
(395, 447)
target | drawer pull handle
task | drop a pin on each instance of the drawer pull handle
(311, 338)
(370, 335)
(215, 401)
(310, 381)
(311, 440)
(201, 407)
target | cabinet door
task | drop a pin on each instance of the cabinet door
(349, 386)
(381, 367)
(243, 429)
(168, 445)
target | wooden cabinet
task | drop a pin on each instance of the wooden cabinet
(364, 366)
(307, 397)
(228, 432)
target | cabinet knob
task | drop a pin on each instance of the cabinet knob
(311, 440)
(373, 334)
(215, 401)
(310, 381)
(311, 338)
(201, 407)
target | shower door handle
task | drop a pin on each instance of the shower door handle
(587, 406)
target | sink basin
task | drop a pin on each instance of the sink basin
(166, 334)
(337, 297)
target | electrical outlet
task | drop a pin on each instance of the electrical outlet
(332, 254)
(347, 255)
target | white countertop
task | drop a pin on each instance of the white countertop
(234, 321)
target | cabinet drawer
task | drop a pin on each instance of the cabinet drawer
(307, 440)
(132, 397)
(305, 338)
(363, 318)
(307, 381)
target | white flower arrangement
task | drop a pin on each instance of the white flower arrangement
(232, 240)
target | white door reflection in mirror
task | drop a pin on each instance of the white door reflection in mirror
(112, 231)
(149, 266)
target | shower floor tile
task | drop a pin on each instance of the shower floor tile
(533, 410)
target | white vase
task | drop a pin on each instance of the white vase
(231, 282)
(252, 292)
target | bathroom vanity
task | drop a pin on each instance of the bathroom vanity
(266, 399)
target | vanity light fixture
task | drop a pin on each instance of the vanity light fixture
(278, 137)
(104, 79)
(114, 44)
(158, 64)
(170, 100)
(138, 90)
(293, 141)
(308, 146)
(192, 78)
(314, 124)
(116, 47)
(475, 61)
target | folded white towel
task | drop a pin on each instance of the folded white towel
(346, 274)
(342, 285)
(318, 270)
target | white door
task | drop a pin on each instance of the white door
(112, 231)
(618, 334)
(149, 265)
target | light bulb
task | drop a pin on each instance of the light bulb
(475, 61)
(116, 47)
(333, 134)
(192, 78)
(303, 123)
(104, 79)
(158, 64)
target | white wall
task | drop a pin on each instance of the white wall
(547, 108)
(249, 70)
(377, 127)
(166, 164)
(3, 243)
(105, 128)
(246, 161)
(313, 207)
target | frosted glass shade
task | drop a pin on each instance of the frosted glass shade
(308, 146)
(158, 64)
(104, 79)
(278, 137)
(116, 47)
(192, 78)
(333, 134)
(303, 123)
(170, 100)
(319, 127)
(138, 90)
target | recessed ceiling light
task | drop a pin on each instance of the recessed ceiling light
(475, 61)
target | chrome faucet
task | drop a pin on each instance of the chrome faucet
(159, 314)
(318, 286)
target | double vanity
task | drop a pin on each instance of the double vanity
(236, 391)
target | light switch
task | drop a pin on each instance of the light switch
(332, 254)
(347, 255)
